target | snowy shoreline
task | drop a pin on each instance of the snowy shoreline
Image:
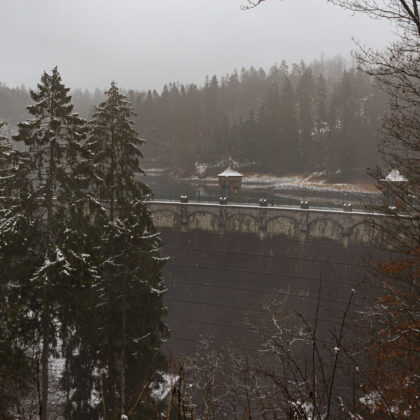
(258, 181)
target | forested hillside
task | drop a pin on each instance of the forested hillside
(321, 117)
(13, 103)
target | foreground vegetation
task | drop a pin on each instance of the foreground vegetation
(80, 265)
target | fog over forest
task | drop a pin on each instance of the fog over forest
(299, 118)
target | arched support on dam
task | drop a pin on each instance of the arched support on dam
(227, 261)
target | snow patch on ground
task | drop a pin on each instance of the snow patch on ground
(155, 171)
(163, 388)
(201, 168)
(313, 181)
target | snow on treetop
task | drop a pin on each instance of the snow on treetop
(229, 172)
(395, 176)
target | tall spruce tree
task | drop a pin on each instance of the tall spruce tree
(273, 141)
(130, 306)
(288, 153)
(54, 141)
(305, 104)
(16, 234)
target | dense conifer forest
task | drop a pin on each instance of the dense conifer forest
(302, 118)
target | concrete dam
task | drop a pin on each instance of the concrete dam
(227, 261)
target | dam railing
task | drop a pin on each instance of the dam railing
(359, 202)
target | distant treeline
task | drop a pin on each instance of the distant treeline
(292, 119)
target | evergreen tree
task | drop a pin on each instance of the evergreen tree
(263, 132)
(54, 139)
(305, 103)
(247, 140)
(15, 258)
(130, 307)
(321, 129)
(321, 96)
(350, 124)
(272, 143)
(288, 154)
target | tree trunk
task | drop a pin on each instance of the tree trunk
(111, 212)
(123, 332)
(45, 307)
(44, 363)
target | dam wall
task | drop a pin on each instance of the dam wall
(229, 264)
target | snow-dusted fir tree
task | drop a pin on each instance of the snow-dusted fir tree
(16, 237)
(14, 168)
(61, 263)
(5, 147)
(130, 309)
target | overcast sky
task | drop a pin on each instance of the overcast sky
(143, 44)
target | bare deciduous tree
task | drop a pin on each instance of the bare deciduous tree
(394, 346)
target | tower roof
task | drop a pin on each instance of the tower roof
(229, 172)
(395, 176)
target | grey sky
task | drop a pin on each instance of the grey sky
(144, 43)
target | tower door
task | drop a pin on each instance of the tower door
(225, 190)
